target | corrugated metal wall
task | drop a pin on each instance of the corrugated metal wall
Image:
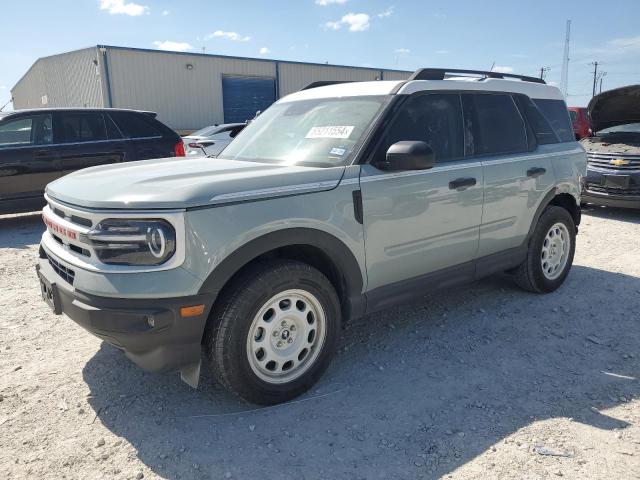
(294, 76)
(395, 75)
(185, 99)
(184, 89)
(65, 80)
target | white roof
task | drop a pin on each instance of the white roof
(355, 89)
(351, 89)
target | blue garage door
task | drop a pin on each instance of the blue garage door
(243, 96)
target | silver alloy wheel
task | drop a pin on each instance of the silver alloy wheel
(286, 336)
(555, 251)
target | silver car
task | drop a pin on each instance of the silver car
(210, 141)
(335, 202)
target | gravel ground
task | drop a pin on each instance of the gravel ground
(484, 381)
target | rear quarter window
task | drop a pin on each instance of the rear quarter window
(557, 115)
(134, 125)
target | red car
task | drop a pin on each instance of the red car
(580, 121)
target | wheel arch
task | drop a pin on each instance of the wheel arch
(559, 198)
(320, 249)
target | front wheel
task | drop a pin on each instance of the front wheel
(274, 331)
(550, 253)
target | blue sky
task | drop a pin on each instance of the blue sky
(519, 36)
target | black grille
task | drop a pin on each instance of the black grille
(603, 161)
(65, 273)
(631, 192)
(73, 218)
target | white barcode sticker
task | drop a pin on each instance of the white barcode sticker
(330, 131)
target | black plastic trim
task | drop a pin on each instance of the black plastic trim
(357, 206)
(440, 74)
(335, 249)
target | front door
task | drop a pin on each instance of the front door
(28, 160)
(418, 223)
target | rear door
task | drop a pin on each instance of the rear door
(146, 138)
(420, 222)
(85, 141)
(28, 158)
(517, 174)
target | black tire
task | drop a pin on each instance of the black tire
(529, 275)
(230, 323)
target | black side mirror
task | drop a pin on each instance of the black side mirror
(408, 155)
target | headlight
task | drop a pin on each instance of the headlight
(133, 242)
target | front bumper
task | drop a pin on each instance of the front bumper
(151, 332)
(596, 192)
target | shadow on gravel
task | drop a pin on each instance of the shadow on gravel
(19, 231)
(415, 392)
(628, 215)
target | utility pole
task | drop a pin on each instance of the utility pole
(595, 77)
(543, 72)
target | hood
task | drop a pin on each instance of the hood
(615, 107)
(170, 183)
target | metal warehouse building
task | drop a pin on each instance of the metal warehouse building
(187, 90)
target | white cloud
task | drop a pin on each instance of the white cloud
(402, 51)
(357, 22)
(439, 16)
(115, 7)
(173, 46)
(387, 12)
(333, 25)
(264, 51)
(233, 36)
(165, 13)
(325, 3)
(625, 44)
(502, 69)
(443, 52)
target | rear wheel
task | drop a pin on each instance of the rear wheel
(274, 331)
(550, 253)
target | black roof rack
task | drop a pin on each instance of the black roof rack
(324, 83)
(440, 74)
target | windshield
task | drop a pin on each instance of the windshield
(627, 128)
(319, 132)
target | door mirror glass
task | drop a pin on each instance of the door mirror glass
(408, 155)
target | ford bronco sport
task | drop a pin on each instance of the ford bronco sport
(339, 200)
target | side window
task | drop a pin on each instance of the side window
(134, 125)
(82, 127)
(538, 124)
(433, 118)
(113, 133)
(494, 124)
(32, 130)
(558, 116)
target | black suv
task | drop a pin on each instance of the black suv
(38, 146)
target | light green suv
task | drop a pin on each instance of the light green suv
(339, 200)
